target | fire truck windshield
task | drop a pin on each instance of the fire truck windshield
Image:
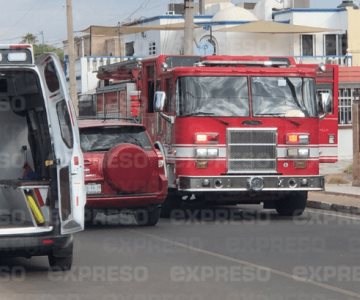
(228, 96)
(283, 96)
(217, 96)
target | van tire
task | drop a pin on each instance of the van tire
(61, 258)
(58, 263)
(292, 204)
(147, 216)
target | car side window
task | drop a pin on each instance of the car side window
(51, 77)
(65, 123)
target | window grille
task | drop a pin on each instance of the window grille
(345, 104)
(152, 48)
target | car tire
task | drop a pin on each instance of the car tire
(292, 205)
(171, 203)
(147, 216)
(90, 215)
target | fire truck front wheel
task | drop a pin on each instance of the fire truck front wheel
(292, 204)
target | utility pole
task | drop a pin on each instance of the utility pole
(189, 26)
(202, 7)
(42, 37)
(71, 53)
(356, 138)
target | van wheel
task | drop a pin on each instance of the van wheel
(147, 216)
(171, 203)
(61, 258)
(60, 263)
(291, 205)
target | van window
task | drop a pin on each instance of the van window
(65, 123)
(52, 80)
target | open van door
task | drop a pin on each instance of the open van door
(327, 87)
(65, 137)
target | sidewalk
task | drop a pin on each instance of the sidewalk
(339, 194)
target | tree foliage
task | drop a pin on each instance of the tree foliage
(39, 48)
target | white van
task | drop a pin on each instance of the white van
(42, 194)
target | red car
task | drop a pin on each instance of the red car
(123, 170)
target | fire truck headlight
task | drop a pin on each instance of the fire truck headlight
(213, 152)
(292, 152)
(295, 152)
(304, 152)
(201, 153)
(304, 139)
(206, 153)
(296, 138)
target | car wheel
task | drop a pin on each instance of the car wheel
(171, 203)
(90, 215)
(147, 216)
(293, 204)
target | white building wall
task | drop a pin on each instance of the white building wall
(333, 19)
(345, 143)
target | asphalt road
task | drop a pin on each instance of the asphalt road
(223, 254)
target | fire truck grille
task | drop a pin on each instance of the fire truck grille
(252, 150)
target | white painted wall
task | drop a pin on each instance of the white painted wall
(335, 20)
(345, 143)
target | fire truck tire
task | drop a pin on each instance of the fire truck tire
(293, 204)
(171, 203)
(147, 216)
(127, 168)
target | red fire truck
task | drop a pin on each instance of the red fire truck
(235, 129)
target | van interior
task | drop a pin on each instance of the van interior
(25, 154)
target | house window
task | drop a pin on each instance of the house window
(335, 44)
(307, 45)
(129, 49)
(330, 44)
(345, 104)
(152, 48)
(343, 43)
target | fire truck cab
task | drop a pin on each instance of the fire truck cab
(238, 129)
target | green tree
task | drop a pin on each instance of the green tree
(45, 48)
(29, 38)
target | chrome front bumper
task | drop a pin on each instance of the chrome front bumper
(254, 183)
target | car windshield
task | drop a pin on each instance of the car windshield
(283, 96)
(214, 96)
(104, 138)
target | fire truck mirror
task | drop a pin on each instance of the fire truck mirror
(159, 101)
(325, 101)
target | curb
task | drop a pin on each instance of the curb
(334, 207)
(340, 194)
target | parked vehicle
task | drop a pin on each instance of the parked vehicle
(42, 193)
(236, 129)
(123, 170)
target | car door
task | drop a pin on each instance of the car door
(328, 130)
(65, 136)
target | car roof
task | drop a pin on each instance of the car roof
(89, 123)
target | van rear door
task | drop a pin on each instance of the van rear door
(65, 135)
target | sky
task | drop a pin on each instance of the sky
(47, 18)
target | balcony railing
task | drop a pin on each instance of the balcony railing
(341, 60)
